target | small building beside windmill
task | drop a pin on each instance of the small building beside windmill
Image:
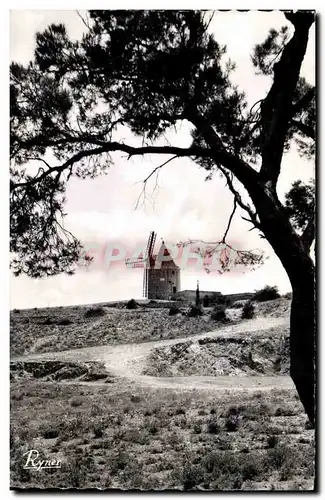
(163, 276)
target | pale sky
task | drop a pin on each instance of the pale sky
(102, 211)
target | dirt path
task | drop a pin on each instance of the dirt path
(128, 360)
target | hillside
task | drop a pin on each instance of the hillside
(144, 400)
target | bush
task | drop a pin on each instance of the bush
(48, 321)
(206, 301)
(248, 310)
(94, 312)
(219, 313)
(218, 299)
(232, 419)
(272, 441)
(237, 304)
(197, 429)
(76, 401)
(98, 431)
(213, 427)
(192, 477)
(251, 468)
(280, 456)
(64, 322)
(195, 311)
(173, 310)
(288, 295)
(50, 433)
(266, 293)
(132, 304)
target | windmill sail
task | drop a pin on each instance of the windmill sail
(144, 261)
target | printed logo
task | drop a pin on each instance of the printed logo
(34, 462)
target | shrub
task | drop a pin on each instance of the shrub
(206, 301)
(153, 427)
(285, 412)
(94, 312)
(272, 441)
(64, 322)
(197, 429)
(121, 460)
(195, 311)
(49, 433)
(221, 463)
(213, 427)
(48, 321)
(219, 313)
(248, 310)
(76, 401)
(232, 423)
(280, 456)
(237, 305)
(192, 476)
(266, 293)
(98, 431)
(132, 304)
(251, 468)
(288, 295)
(221, 299)
(232, 419)
(308, 425)
(173, 310)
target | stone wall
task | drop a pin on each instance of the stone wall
(163, 283)
(233, 297)
(190, 295)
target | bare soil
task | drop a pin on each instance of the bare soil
(173, 413)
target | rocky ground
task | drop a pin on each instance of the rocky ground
(144, 400)
(265, 353)
(43, 330)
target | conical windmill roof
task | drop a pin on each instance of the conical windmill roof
(165, 264)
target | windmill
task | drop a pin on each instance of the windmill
(144, 261)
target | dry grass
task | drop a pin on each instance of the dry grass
(58, 329)
(110, 433)
(118, 436)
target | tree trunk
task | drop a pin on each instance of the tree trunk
(300, 269)
(303, 342)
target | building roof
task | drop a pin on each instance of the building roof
(165, 264)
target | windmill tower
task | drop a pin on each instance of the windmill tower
(159, 283)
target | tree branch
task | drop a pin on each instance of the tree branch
(308, 235)
(238, 198)
(276, 110)
(155, 170)
(305, 129)
(303, 102)
(242, 170)
(113, 147)
(229, 221)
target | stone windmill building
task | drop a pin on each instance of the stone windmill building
(161, 277)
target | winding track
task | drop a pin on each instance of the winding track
(128, 361)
